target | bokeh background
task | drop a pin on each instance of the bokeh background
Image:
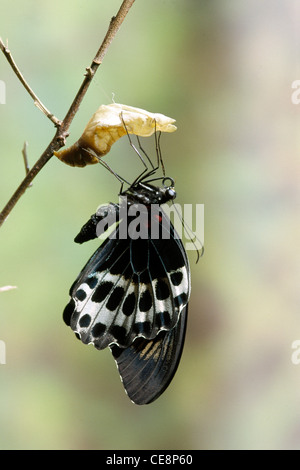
(224, 70)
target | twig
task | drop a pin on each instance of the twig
(17, 71)
(61, 134)
(25, 158)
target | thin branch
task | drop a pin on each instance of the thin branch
(114, 27)
(61, 134)
(17, 71)
(25, 158)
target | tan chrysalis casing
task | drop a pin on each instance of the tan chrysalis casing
(106, 126)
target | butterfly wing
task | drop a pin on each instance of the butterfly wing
(133, 293)
(148, 366)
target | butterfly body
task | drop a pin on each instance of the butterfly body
(133, 293)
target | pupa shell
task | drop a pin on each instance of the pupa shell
(106, 126)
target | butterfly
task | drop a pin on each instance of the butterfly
(132, 295)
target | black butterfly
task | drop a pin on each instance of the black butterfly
(133, 293)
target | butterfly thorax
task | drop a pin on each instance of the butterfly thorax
(144, 193)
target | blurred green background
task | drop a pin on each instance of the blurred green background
(223, 70)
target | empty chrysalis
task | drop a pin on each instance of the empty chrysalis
(106, 126)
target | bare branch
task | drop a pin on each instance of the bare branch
(114, 27)
(17, 71)
(61, 134)
(25, 158)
